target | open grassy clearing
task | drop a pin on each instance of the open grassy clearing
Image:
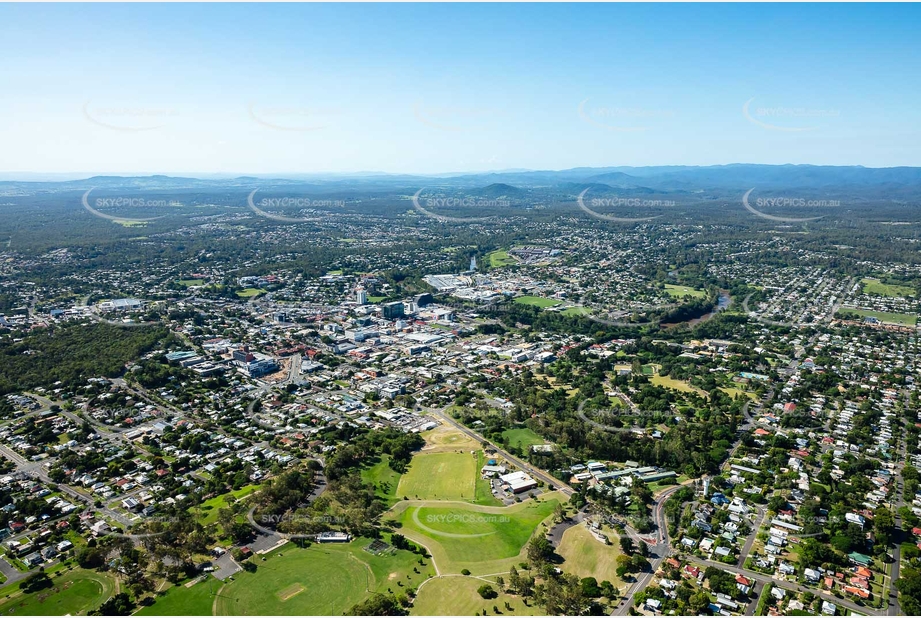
(440, 476)
(74, 592)
(500, 258)
(680, 291)
(585, 556)
(206, 512)
(183, 600)
(577, 311)
(482, 539)
(456, 595)
(446, 438)
(538, 301)
(384, 479)
(319, 580)
(191, 282)
(522, 438)
(484, 495)
(902, 319)
(891, 290)
(678, 385)
(738, 392)
(249, 292)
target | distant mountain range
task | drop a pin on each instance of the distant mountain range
(513, 183)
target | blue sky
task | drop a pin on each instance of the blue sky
(441, 88)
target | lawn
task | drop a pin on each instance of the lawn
(207, 510)
(538, 301)
(523, 438)
(319, 580)
(500, 258)
(75, 592)
(678, 385)
(484, 493)
(738, 392)
(585, 556)
(182, 600)
(445, 437)
(383, 478)
(577, 311)
(483, 539)
(376, 299)
(191, 282)
(892, 290)
(903, 319)
(440, 476)
(680, 291)
(456, 595)
(249, 292)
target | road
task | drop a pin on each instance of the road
(522, 465)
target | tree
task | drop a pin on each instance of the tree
(539, 550)
(486, 591)
(377, 605)
(514, 580)
(626, 545)
(119, 605)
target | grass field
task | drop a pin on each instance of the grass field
(440, 476)
(903, 319)
(878, 288)
(319, 580)
(738, 392)
(191, 282)
(249, 292)
(196, 600)
(376, 299)
(523, 438)
(678, 385)
(577, 311)
(537, 301)
(75, 592)
(587, 557)
(483, 539)
(446, 438)
(384, 479)
(456, 595)
(680, 291)
(500, 258)
(207, 510)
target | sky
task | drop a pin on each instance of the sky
(424, 88)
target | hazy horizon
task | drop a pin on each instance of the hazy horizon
(420, 89)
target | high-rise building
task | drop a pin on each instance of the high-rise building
(361, 297)
(393, 311)
(473, 264)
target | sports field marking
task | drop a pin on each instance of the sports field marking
(290, 591)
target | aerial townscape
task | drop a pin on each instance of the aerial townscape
(453, 310)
